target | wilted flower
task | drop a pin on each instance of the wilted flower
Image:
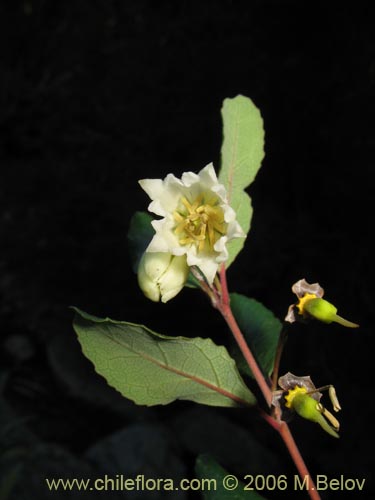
(312, 305)
(300, 395)
(161, 276)
(197, 220)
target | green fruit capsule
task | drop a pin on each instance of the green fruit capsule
(324, 311)
(309, 408)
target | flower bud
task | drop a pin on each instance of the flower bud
(161, 276)
(324, 311)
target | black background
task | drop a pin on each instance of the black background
(95, 95)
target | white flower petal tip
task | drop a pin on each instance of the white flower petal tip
(197, 220)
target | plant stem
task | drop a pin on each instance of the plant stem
(226, 311)
(279, 351)
(282, 427)
(303, 471)
(248, 355)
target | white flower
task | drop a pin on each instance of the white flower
(161, 276)
(196, 218)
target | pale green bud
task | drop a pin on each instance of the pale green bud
(161, 276)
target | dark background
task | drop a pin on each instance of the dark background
(97, 94)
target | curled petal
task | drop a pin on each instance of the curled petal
(301, 288)
(289, 381)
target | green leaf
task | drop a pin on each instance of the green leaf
(140, 234)
(242, 153)
(261, 329)
(152, 369)
(207, 468)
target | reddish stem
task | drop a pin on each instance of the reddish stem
(226, 311)
(282, 427)
(303, 471)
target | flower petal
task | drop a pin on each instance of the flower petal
(189, 178)
(301, 287)
(206, 264)
(208, 176)
(164, 194)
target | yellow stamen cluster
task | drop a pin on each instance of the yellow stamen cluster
(292, 393)
(302, 301)
(200, 223)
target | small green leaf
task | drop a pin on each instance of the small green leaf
(192, 281)
(139, 236)
(242, 153)
(152, 369)
(260, 328)
(208, 469)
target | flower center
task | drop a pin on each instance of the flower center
(200, 223)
